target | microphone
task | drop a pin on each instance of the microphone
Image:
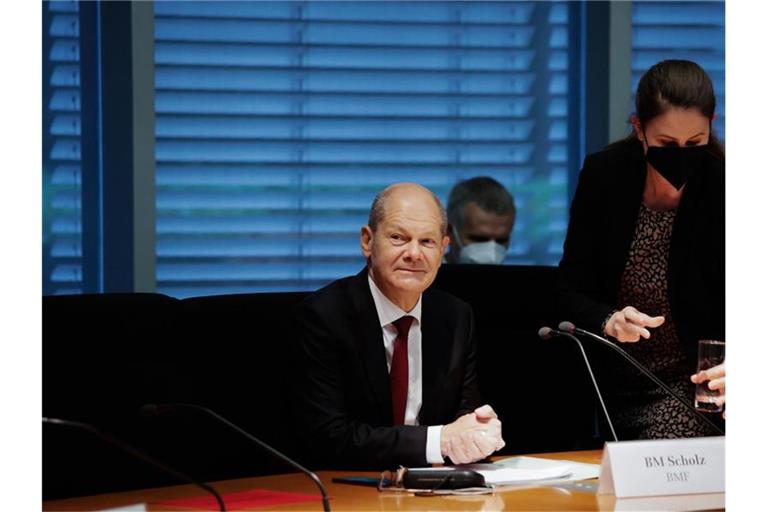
(547, 333)
(136, 453)
(570, 328)
(157, 410)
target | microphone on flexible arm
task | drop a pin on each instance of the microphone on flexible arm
(136, 453)
(157, 410)
(570, 328)
(547, 333)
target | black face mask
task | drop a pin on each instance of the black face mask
(676, 164)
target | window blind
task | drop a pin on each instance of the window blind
(681, 30)
(277, 123)
(62, 222)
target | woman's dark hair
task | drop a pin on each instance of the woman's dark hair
(676, 84)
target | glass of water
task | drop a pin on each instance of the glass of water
(711, 353)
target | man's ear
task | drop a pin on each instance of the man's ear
(450, 232)
(445, 242)
(366, 241)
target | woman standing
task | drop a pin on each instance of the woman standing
(644, 257)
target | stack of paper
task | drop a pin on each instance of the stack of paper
(501, 475)
(519, 470)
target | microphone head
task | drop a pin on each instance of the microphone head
(567, 327)
(546, 333)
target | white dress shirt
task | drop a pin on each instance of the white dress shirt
(388, 313)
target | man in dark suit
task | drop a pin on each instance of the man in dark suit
(387, 369)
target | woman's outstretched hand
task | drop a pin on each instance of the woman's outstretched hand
(629, 325)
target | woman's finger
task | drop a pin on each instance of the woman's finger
(641, 319)
(698, 378)
(716, 383)
(716, 372)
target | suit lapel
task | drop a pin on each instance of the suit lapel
(371, 344)
(436, 348)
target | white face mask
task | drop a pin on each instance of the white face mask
(486, 253)
(483, 253)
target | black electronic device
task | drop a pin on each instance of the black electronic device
(442, 478)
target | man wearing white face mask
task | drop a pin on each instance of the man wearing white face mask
(481, 215)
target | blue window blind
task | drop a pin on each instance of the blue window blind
(681, 30)
(277, 123)
(62, 213)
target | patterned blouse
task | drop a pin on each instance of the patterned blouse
(641, 410)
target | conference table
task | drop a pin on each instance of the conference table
(581, 495)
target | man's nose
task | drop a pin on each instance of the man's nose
(413, 250)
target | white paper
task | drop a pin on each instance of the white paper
(500, 475)
(579, 470)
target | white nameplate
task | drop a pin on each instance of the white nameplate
(663, 467)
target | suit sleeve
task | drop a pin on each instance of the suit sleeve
(470, 393)
(334, 436)
(579, 273)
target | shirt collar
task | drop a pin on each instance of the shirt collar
(388, 312)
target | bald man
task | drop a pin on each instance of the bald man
(387, 368)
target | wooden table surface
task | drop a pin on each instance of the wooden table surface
(568, 496)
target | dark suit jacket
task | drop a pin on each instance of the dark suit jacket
(603, 216)
(344, 406)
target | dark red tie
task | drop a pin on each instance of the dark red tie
(398, 372)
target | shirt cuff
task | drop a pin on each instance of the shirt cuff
(434, 455)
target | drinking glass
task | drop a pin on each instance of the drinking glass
(711, 353)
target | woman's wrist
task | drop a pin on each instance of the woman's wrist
(605, 322)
